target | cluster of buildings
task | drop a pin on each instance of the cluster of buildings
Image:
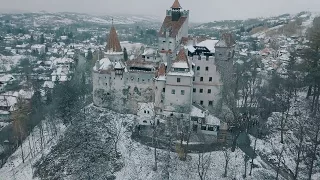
(181, 79)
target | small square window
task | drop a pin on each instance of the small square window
(201, 90)
(194, 90)
(201, 78)
(178, 79)
(210, 103)
(209, 91)
(201, 102)
(173, 91)
(207, 68)
(198, 68)
(182, 92)
(210, 79)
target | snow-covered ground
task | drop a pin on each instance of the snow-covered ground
(14, 169)
(138, 159)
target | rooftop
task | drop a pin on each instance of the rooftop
(113, 43)
(176, 5)
(172, 26)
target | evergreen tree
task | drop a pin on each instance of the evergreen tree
(31, 39)
(90, 55)
(125, 54)
(41, 39)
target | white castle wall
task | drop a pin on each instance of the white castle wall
(205, 85)
(122, 92)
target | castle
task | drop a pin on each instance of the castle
(181, 79)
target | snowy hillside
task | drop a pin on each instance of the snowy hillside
(42, 18)
(268, 24)
(83, 152)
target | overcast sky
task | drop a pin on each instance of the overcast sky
(200, 10)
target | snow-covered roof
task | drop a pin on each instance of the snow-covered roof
(104, 64)
(118, 65)
(7, 101)
(48, 84)
(63, 61)
(196, 112)
(209, 44)
(180, 64)
(4, 112)
(149, 51)
(37, 46)
(212, 120)
(26, 94)
(190, 48)
(6, 78)
(177, 73)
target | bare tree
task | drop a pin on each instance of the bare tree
(226, 154)
(20, 116)
(155, 141)
(117, 131)
(279, 159)
(203, 164)
(298, 143)
(246, 159)
(314, 144)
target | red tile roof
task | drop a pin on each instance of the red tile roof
(172, 26)
(176, 5)
(164, 51)
(113, 43)
(161, 71)
(181, 57)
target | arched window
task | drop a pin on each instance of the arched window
(198, 68)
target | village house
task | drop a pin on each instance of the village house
(39, 48)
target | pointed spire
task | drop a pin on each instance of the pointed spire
(176, 5)
(113, 43)
(182, 56)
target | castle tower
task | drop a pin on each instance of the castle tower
(113, 49)
(176, 14)
(224, 53)
(175, 26)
